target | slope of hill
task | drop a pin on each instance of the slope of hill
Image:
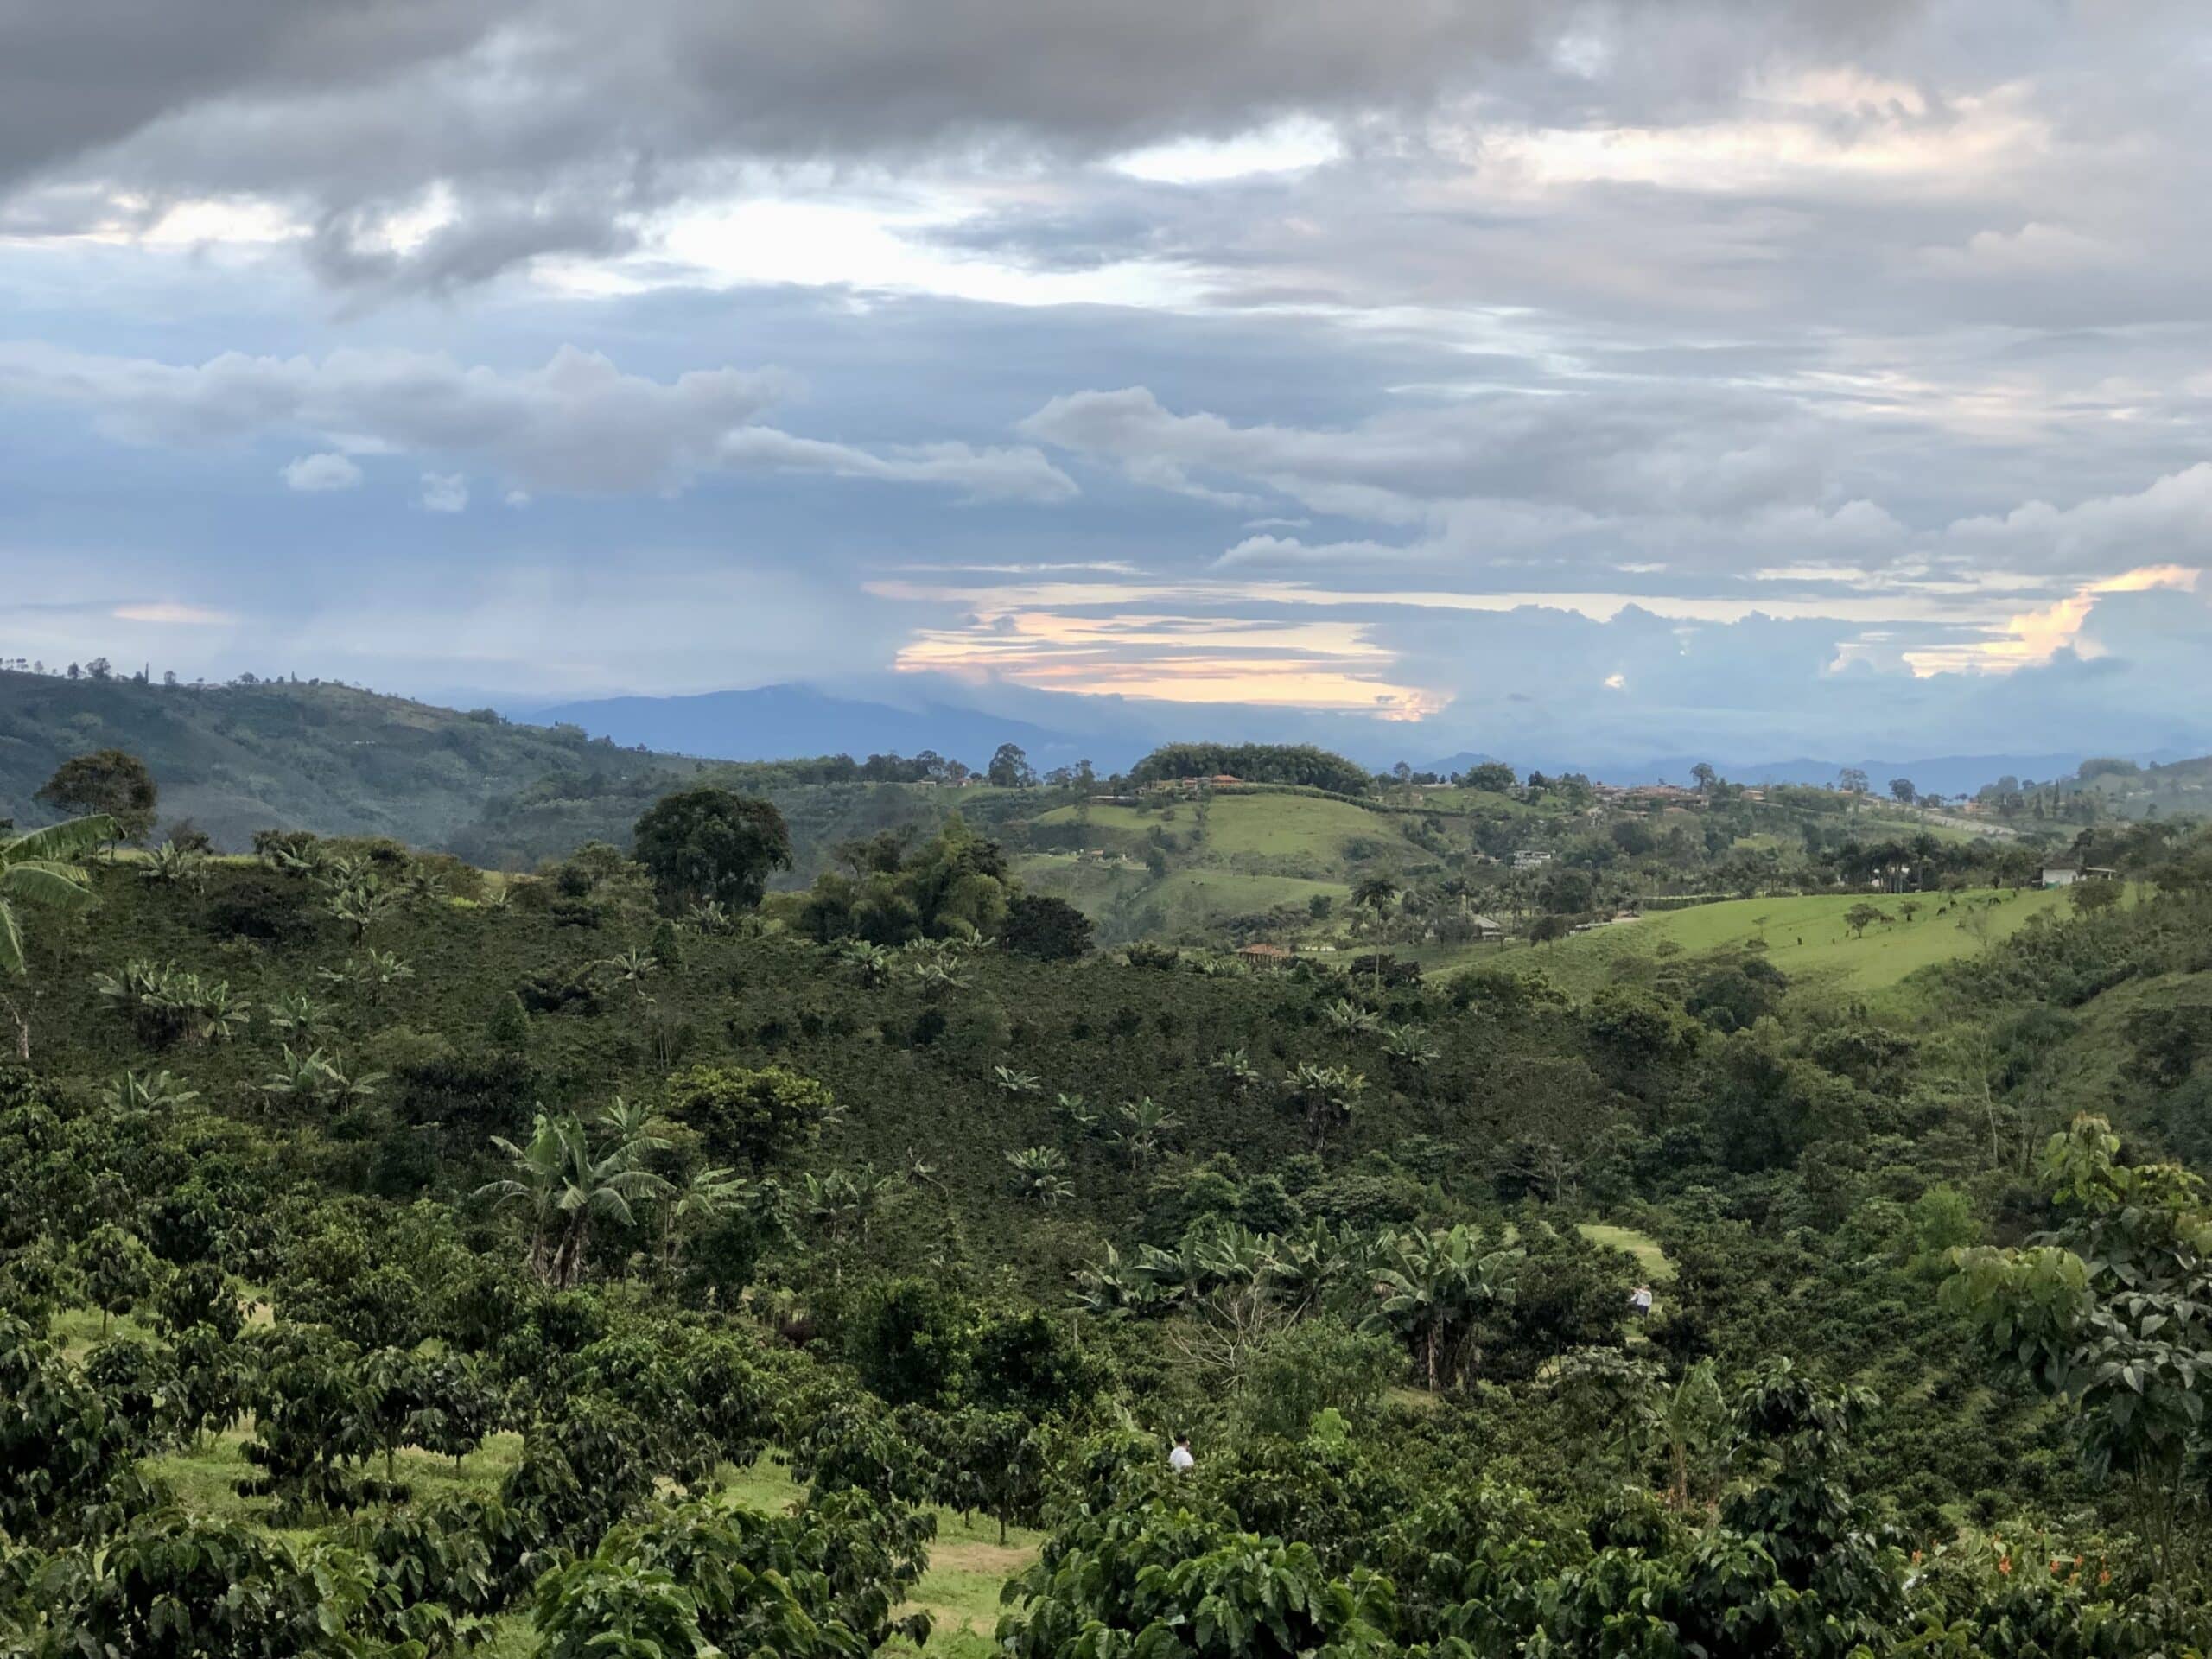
(1807, 936)
(240, 1257)
(1185, 867)
(311, 755)
(770, 722)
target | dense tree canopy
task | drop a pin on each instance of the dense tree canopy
(538, 1267)
(1255, 763)
(109, 783)
(703, 846)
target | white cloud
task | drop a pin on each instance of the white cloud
(445, 492)
(577, 426)
(316, 473)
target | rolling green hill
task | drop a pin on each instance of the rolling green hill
(924, 1251)
(338, 760)
(1806, 936)
(319, 756)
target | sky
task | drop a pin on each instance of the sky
(1755, 377)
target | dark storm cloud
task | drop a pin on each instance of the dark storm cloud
(553, 121)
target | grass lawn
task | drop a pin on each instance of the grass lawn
(1261, 824)
(1185, 896)
(968, 1564)
(1806, 937)
(1644, 1248)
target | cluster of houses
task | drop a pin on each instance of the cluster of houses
(1638, 795)
(1185, 788)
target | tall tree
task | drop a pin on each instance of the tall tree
(709, 844)
(563, 1187)
(1010, 768)
(113, 784)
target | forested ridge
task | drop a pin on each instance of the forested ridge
(396, 1259)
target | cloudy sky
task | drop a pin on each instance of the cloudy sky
(1754, 376)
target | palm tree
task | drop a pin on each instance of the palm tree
(1330, 1095)
(1374, 895)
(1239, 1077)
(563, 1187)
(1082, 1116)
(38, 871)
(1436, 1288)
(841, 1203)
(1145, 1129)
(871, 964)
(296, 1013)
(1347, 1019)
(1113, 1289)
(1040, 1175)
(298, 1076)
(170, 865)
(1408, 1045)
(1688, 1416)
(1305, 1267)
(146, 1091)
(632, 967)
(704, 1196)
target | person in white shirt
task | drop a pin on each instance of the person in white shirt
(1180, 1460)
(1640, 1299)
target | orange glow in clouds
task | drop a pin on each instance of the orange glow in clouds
(2035, 637)
(1317, 664)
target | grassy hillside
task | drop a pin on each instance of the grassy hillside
(319, 756)
(1806, 936)
(1183, 868)
(304, 755)
(1256, 832)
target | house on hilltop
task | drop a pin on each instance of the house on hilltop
(2064, 873)
(1261, 954)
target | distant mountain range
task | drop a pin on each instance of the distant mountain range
(776, 722)
(781, 722)
(510, 790)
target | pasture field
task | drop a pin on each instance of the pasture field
(1806, 936)
(1260, 825)
(1190, 896)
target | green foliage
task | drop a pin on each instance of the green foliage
(709, 845)
(67, 1462)
(563, 1186)
(907, 1339)
(2114, 1314)
(109, 783)
(179, 1587)
(1315, 1366)
(751, 1115)
(38, 871)
(117, 1270)
(1050, 929)
(1252, 763)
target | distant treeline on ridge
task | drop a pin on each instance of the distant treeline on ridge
(1255, 763)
